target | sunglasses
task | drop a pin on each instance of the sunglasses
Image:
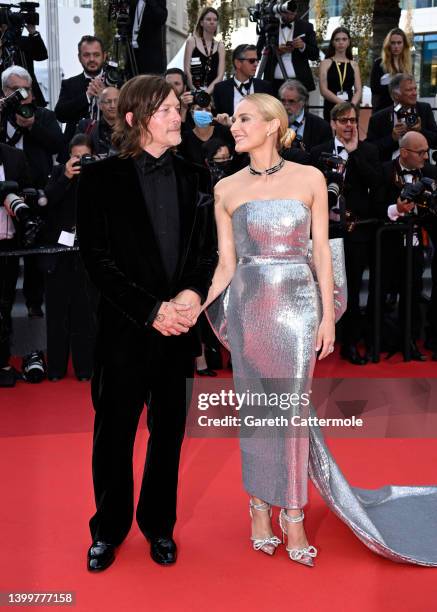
(344, 120)
(251, 60)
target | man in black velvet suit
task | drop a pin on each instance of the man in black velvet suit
(363, 175)
(386, 126)
(147, 238)
(297, 45)
(228, 93)
(78, 92)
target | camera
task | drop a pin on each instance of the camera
(423, 193)
(12, 104)
(24, 205)
(86, 159)
(407, 114)
(200, 96)
(15, 22)
(267, 14)
(333, 167)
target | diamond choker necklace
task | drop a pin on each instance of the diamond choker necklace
(271, 170)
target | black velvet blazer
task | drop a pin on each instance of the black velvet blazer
(121, 254)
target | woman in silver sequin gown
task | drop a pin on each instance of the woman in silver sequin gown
(275, 326)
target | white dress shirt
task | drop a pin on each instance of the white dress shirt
(238, 96)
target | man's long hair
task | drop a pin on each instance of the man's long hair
(141, 96)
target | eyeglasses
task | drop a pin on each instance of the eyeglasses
(251, 60)
(420, 153)
(28, 89)
(344, 120)
(289, 101)
(109, 102)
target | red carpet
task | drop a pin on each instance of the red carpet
(47, 500)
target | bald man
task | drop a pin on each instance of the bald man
(100, 131)
(411, 165)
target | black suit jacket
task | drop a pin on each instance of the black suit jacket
(72, 104)
(363, 179)
(316, 131)
(381, 127)
(380, 95)
(32, 48)
(223, 94)
(40, 143)
(61, 194)
(15, 165)
(150, 55)
(121, 254)
(299, 58)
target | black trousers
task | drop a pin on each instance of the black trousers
(119, 394)
(358, 256)
(431, 330)
(70, 315)
(9, 268)
(33, 282)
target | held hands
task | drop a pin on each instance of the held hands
(404, 206)
(191, 299)
(172, 319)
(325, 338)
(95, 87)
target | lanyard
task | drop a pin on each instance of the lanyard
(341, 77)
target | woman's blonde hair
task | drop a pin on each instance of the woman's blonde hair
(270, 108)
(404, 58)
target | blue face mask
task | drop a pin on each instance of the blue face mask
(202, 118)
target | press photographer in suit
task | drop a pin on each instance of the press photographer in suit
(147, 26)
(406, 114)
(147, 238)
(297, 45)
(362, 177)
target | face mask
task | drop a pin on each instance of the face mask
(202, 118)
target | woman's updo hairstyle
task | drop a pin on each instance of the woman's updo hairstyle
(271, 108)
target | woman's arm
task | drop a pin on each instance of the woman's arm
(226, 247)
(323, 82)
(189, 47)
(323, 263)
(221, 68)
(356, 98)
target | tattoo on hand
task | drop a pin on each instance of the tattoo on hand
(160, 318)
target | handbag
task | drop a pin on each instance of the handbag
(216, 313)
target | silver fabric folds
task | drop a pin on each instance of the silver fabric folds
(268, 318)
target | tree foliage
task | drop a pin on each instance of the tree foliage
(357, 17)
(102, 27)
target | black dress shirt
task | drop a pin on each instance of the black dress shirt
(158, 183)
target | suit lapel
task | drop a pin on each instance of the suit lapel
(187, 186)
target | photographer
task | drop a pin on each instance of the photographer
(406, 114)
(362, 175)
(296, 44)
(100, 131)
(35, 131)
(13, 167)
(78, 93)
(178, 79)
(227, 94)
(70, 298)
(407, 169)
(16, 49)
(310, 129)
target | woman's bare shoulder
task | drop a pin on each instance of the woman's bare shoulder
(303, 171)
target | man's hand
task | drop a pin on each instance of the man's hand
(224, 119)
(352, 144)
(284, 49)
(399, 130)
(404, 206)
(298, 43)
(172, 319)
(186, 99)
(70, 169)
(95, 87)
(30, 28)
(190, 298)
(24, 123)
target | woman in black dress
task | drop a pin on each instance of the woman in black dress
(203, 47)
(340, 78)
(395, 58)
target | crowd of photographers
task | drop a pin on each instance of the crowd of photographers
(386, 180)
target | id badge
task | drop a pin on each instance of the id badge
(343, 95)
(66, 238)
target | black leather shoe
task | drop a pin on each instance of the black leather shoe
(352, 354)
(100, 556)
(206, 372)
(163, 550)
(434, 356)
(415, 354)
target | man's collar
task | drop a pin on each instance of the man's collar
(148, 162)
(89, 76)
(238, 83)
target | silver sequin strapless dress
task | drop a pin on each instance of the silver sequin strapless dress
(272, 313)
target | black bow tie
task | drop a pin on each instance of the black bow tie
(340, 148)
(246, 86)
(415, 172)
(150, 164)
(286, 25)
